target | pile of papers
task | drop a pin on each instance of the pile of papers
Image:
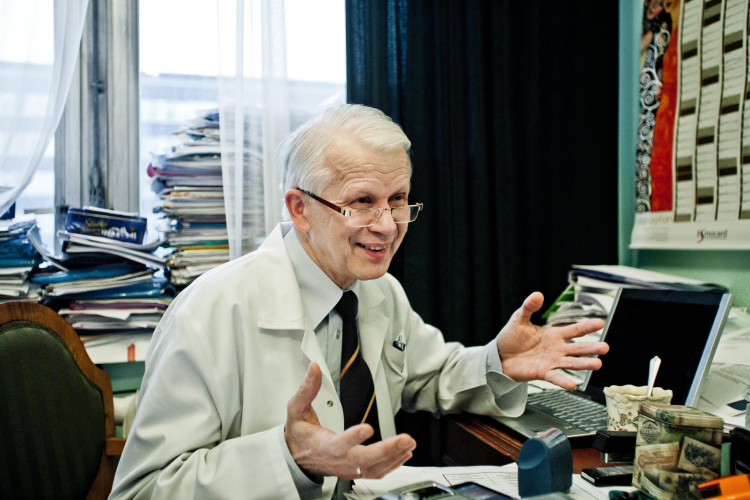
(122, 302)
(189, 181)
(117, 330)
(112, 250)
(501, 479)
(112, 292)
(17, 258)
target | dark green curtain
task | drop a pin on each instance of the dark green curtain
(511, 109)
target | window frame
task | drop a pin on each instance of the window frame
(96, 142)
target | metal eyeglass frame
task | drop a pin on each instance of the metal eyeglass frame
(347, 212)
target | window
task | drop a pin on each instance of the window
(175, 48)
(23, 78)
(179, 68)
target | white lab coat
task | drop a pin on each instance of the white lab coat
(235, 346)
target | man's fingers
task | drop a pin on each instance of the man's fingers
(303, 398)
(581, 329)
(378, 452)
(383, 468)
(378, 459)
(353, 436)
(558, 379)
(580, 363)
(531, 305)
(586, 348)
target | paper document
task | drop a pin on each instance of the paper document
(502, 479)
(725, 383)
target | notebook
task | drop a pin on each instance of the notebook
(682, 328)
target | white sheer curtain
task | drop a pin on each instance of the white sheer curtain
(254, 115)
(29, 118)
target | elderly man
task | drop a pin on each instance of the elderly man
(278, 374)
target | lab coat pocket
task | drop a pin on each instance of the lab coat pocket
(395, 360)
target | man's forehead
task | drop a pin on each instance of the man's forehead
(353, 166)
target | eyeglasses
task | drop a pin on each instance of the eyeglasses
(365, 217)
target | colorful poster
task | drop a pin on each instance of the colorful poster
(693, 157)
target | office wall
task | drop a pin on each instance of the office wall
(731, 267)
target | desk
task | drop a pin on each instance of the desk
(475, 440)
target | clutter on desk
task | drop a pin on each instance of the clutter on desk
(676, 449)
(113, 292)
(189, 181)
(503, 479)
(590, 294)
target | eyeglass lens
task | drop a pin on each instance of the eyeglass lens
(401, 215)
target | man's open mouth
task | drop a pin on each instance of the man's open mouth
(373, 248)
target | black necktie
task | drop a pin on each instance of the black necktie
(356, 389)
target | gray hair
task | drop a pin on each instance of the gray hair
(302, 154)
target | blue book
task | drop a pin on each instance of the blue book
(19, 262)
(106, 223)
(93, 273)
(154, 288)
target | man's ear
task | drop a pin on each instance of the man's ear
(295, 204)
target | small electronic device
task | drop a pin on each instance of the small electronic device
(545, 464)
(609, 476)
(431, 490)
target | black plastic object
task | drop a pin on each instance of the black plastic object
(741, 450)
(609, 476)
(545, 464)
(614, 441)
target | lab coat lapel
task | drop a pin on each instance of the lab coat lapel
(280, 308)
(373, 325)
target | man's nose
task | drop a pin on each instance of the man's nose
(385, 223)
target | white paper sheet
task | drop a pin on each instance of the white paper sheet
(725, 383)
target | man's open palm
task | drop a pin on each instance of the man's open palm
(530, 352)
(321, 452)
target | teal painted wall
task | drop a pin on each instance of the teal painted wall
(730, 268)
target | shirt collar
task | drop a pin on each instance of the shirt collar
(319, 293)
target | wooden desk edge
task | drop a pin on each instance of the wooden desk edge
(495, 436)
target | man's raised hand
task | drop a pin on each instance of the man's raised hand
(530, 352)
(322, 452)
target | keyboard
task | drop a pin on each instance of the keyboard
(585, 414)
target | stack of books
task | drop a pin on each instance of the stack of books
(17, 259)
(189, 181)
(107, 283)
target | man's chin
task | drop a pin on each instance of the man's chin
(373, 272)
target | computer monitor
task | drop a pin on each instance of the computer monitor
(682, 328)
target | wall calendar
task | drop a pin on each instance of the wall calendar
(693, 153)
